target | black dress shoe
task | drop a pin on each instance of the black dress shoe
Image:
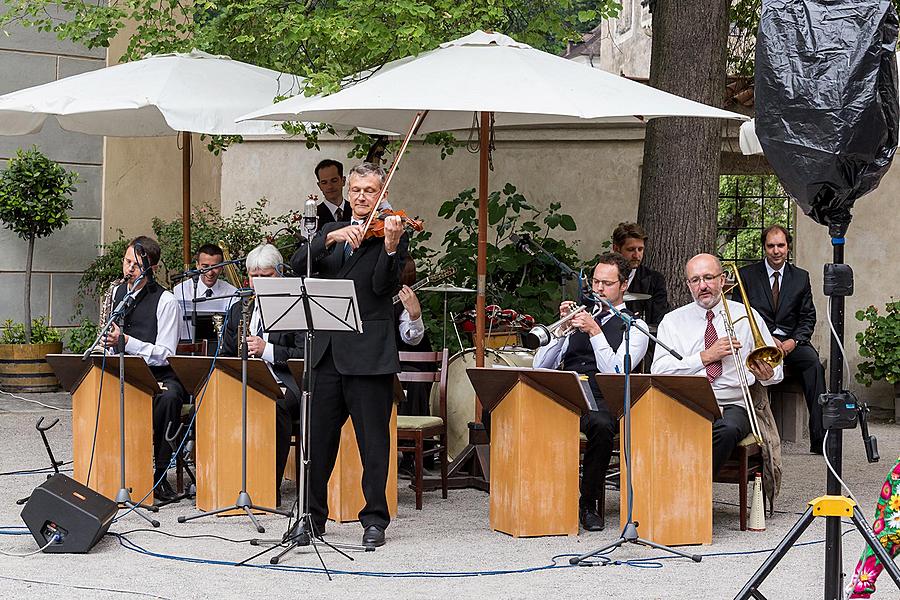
(164, 492)
(590, 519)
(373, 536)
(297, 534)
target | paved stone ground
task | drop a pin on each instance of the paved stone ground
(428, 551)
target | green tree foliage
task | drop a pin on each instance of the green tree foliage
(35, 200)
(879, 344)
(747, 205)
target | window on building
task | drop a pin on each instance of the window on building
(747, 205)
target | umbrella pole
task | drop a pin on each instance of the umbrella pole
(483, 139)
(186, 198)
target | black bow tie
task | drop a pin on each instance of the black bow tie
(208, 293)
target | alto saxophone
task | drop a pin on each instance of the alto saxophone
(106, 306)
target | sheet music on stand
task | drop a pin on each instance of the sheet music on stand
(332, 304)
(583, 380)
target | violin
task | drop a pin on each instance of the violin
(376, 228)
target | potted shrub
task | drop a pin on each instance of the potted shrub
(35, 198)
(879, 344)
(23, 368)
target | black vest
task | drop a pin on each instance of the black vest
(140, 319)
(579, 356)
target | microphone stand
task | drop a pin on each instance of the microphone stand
(629, 532)
(123, 496)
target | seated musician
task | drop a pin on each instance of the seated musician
(595, 346)
(697, 332)
(151, 332)
(207, 285)
(275, 348)
(629, 240)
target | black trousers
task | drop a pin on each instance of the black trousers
(166, 414)
(367, 400)
(287, 411)
(804, 361)
(599, 426)
(727, 432)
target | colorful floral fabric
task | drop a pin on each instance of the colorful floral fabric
(887, 530)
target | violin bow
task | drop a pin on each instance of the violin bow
(413, 129)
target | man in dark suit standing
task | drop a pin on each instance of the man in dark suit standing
(782, 295)
(330, 179)
(629, 240)
(353, 373)
(276, 348)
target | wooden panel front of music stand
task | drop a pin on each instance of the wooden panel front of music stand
(671, 458)
(219, 443)
(105, 476)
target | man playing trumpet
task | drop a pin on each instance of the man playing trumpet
(696, 331)
(591, 345)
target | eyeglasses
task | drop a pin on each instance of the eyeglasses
(602, 283)
(366, 193)
(695, 281)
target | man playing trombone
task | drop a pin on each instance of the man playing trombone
(591, 343)
(697, 332)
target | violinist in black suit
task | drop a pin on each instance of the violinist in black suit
(353, 373)
(276, 348)
(782, 295)
(330, 179)
(629, 240)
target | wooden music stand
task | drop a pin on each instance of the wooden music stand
(83, 380)
(535, 417)
(345, 495)
(671, 454)
(218, 427)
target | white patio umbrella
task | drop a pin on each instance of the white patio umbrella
(486, 76)
(159, 95)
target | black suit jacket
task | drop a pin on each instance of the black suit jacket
(325, 215)
(796, 313)
(648, 281)
(376, 277)
(285, 344)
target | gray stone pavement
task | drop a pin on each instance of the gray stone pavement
(427, 552)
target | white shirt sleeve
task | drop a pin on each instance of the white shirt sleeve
(412, 332)
(666, 364)
(770, 341)
(549, 356)
(168, 321)
(614, 362)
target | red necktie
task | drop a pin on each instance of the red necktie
(776, 290)
(713, 369)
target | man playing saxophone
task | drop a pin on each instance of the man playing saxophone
(697, 332)
(594, 345)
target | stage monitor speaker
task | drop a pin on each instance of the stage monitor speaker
(77, 514)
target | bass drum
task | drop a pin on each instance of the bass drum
(461, 394)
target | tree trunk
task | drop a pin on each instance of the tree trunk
(680, 177)
(29, 260)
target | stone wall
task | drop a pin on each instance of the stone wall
(28, 58)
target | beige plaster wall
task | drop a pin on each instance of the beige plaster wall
(871, 251)
(594, 173)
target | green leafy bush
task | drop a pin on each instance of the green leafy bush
(80, 337)
(105, 269)
(880, 343)
(41, 333)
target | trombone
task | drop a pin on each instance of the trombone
(770, 355)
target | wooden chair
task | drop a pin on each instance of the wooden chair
(741, 468)
(199, 348)
(413, 431)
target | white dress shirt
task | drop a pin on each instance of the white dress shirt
(333, 209)
(184, 292)
(771, 273)
(411, 331)
(168, 319)
(684, 330)
(550, 356)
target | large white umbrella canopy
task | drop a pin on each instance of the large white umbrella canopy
(480, 74)
(160, 95)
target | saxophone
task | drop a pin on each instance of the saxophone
(106, 306)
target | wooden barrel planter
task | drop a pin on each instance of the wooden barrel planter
(23, 367)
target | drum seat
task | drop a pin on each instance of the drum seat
(408, 422)
(412, 431)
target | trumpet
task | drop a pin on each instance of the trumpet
(541, 335)
(761, 351)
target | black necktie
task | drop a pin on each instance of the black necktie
(339, 214)
(776, 290)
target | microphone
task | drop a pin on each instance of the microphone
(522, 242)
(141, 254)
(310, 217)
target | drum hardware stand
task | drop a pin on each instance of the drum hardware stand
(42, 429)
(630, 531)
(123, 496)
(833, 506)
(243, 502)
(302, 532)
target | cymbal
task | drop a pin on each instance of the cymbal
(632, 296)
(448, 289)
